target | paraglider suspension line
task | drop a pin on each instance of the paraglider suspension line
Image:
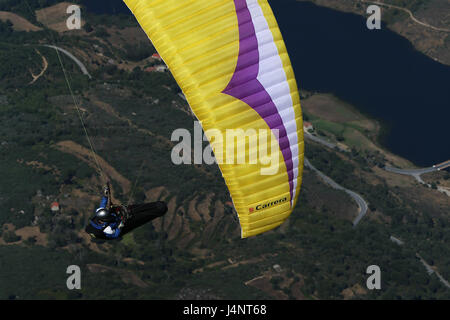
(94, 155)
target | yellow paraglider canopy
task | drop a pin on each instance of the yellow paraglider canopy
(229, 58)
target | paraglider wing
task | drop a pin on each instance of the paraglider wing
(229, 58)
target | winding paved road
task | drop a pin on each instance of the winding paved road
(362, 204)
(71, 56)
(416, 173)
(321, 141)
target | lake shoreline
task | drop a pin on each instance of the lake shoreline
(400, 27)
(336, 54)
(378, 72)
(376, 134)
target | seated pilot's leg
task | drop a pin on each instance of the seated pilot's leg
(154, 209)
(144, 213)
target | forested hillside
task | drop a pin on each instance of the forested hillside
(129, 111)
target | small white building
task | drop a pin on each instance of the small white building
(54, 207)
(277, 268)
(161, 68)
(307, 126)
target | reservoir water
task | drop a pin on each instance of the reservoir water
(378, 72)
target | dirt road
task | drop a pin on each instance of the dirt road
(85, 155)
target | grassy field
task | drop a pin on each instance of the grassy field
(157, 261)
(338, 121)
